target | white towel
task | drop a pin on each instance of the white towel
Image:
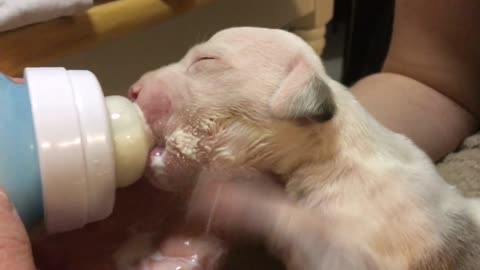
(17, 13)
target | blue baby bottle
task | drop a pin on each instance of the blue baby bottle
(65, 148)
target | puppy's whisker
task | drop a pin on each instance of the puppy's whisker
(212, 210)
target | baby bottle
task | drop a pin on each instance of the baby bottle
(65, 148)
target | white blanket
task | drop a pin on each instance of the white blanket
(462, 168)
(17, 13)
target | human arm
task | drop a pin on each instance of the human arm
(429, 88)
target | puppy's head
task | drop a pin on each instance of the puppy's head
(248, 96)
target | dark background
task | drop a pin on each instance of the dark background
(363, 29)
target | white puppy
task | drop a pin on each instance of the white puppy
(261, 98)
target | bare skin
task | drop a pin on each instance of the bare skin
(434, 54)
(15, 250)
(430, 75)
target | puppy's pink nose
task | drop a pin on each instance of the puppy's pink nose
(154, 100)
(133, 92)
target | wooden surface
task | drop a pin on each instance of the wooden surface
(313, 27)
(36, 45)
(39, 43)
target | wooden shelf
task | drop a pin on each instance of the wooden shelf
(36, 44)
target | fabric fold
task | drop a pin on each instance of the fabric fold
(18, 13)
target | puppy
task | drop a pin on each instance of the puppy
(261, 98)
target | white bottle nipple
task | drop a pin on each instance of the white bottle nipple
(132, 139)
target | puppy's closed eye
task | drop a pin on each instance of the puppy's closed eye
(207, 63)
(203, 58)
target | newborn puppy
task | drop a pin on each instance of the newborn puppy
(261, 98)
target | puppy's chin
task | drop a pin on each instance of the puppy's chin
(169, 171)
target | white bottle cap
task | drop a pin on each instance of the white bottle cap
(75, 148)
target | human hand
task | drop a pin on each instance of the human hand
(15, 250)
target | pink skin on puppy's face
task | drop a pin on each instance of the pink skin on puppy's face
(154, 95)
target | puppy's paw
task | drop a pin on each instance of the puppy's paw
(202, 253)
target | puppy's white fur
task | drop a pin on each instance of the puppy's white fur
(269, 104)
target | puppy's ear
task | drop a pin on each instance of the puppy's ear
(303, 95)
